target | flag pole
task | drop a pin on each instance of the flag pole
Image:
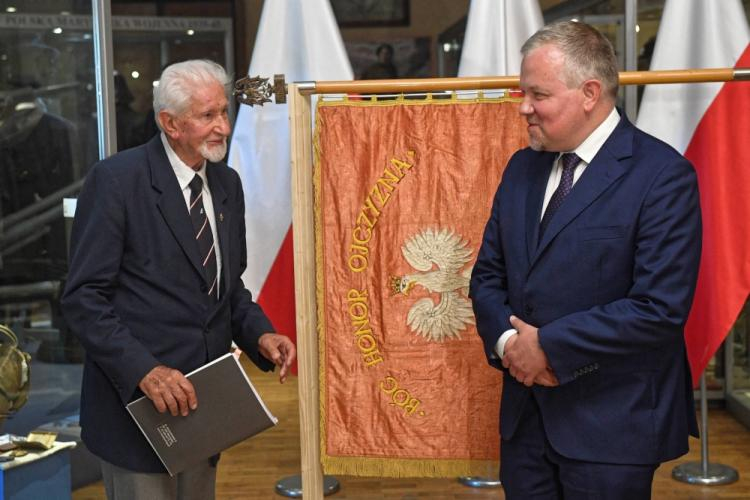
(256, 91)
(480, 482)
(704, 472)
(422, 85)
(300, 117)
(262, 90)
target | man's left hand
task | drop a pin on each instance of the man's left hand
(524, 357)
(279, 349)
(547, 378)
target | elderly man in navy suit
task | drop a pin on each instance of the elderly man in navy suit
(154, 288)
(584, 281)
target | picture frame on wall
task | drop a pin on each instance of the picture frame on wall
(410, 57)
(368, 13)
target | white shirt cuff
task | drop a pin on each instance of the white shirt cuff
(500, 346)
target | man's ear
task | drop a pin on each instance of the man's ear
(169, 124)
(592, 92)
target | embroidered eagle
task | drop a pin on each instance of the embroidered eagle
(449, 253)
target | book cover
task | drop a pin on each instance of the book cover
(229, 411)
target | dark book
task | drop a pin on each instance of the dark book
(229, 410)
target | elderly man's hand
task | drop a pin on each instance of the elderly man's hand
(169, 389)
(280, 350)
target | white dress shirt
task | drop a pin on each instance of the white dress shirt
(586, 151)
(185, 175)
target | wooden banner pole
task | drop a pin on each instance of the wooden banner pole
(416, 85)
(300, 117)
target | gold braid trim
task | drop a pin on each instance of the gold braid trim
(404, 467)
(319, 278)
(418, 100)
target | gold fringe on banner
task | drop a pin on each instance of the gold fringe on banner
(319, 289)
(421, 99)
(399, 467)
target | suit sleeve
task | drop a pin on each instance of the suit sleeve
(651, 316)
(488, 289)
(249, 321)
(97, 243)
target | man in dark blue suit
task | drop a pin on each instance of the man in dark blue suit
(584, 281)
(154, 288)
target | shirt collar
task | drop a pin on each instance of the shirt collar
(594, 142)
(184, 173)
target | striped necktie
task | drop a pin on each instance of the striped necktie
(203, 235)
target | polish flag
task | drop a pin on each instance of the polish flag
(709, 124)
(495, 32)
(301, 40)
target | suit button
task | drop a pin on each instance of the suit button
(528, 309)
(204, 288)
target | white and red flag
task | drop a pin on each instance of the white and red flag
(300, 39)
(495, 32)
(709, 124)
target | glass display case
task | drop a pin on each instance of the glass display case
(47, 116)
(738, 366)
(48, 141)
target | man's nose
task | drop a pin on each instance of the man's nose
(222, 125)
(525, 108)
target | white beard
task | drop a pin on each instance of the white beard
(214, 153)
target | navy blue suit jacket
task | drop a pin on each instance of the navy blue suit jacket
(609, 286)
(136, 294)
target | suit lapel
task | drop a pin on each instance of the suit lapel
(222, 216)
(171, 202)
(606, 167)
(534, 199)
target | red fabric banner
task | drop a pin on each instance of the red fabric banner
(403, 191)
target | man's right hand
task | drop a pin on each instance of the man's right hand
(546, 377)
(167, 388)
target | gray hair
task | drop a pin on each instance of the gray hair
(588, 53)
(179, 81)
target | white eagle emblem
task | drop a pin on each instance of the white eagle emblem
(446, 250)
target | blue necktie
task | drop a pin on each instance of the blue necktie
(203, 235)
(569, 161)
